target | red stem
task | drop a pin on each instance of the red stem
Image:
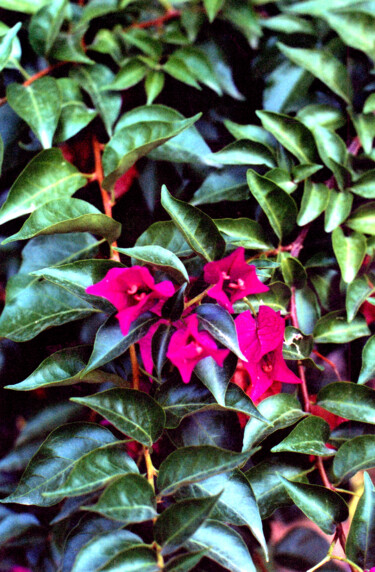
(169, 15)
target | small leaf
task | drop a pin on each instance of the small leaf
(173, 307)
(368, 361)
(179, 521)
(216, 378)
(159, 346)
(45, 25)
(154, 84)
(243, 232)
(219, 323)
(364, 186)
(129, 499)
(165, 234)
(198, 228)
(67, 215)
(159, 257)
(333, 328)
(135, 558)
(323, 506)
(39, 104)
(349, 400)
(244, 152)
(338, 209)
(132, 412)
(185, 562)
(354, 455)
(212, 7)
(361, 535)
(308, 437)
(131, 72)
(294, 273)
(6, 44)
(363, 219)
(350, 251)
(356, 294)
(192, 464)
(314, 201)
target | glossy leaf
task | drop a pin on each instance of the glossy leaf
(95, 470)
(216, 378)
(355, 29)
(356, 294)
(323, 506)
(54, 460)
(308, 437)
(7, 43)
(159, 347)
(251, 132)
(278, 206)
(349, 400)
(243, 232)
(39, 104)
(135, 558)
(198, 228)
(47, 177)
(350, 251)
(338, 209)
(226, 546)
(354, 455)
(133, 412)
(67, 215)
(131, 73)
(185, 562)
(368, 361)
(219, 323)
(294, 273)
(129, 499)
(333, 328)
(277, 297)
(179, 521)
(314, 201)
(110, 342)
(364, 186)
(45, 25)
(363, 219)
(160, 258)
(165, 234)
(173, 307)
(192, 464)
(361, 535)
(244, 152)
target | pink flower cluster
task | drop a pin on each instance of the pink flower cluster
(133, 291)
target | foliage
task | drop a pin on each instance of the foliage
(188, 222)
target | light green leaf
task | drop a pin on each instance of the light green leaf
(6, 44)
(323, 115)
(334, 328)
(131, 73)
(212, 7)
(39, 104)
(288, 24)
(25, 6)
(243, 232)
(368, 361)
(47, 177)
(338, 209)
(350, 251)
(251, 132)
(363, 219)
(354, 455)
(154, 84)
(361, 535)
(356, 294)
(349, 400)
(308, 437)
(314, 201)
(364, 186)
(244, 152)
(45, 25)
(159, 257)
(356, 29)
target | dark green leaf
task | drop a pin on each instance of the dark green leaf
(333, 328)
(216, 378)
(133, 412)
(303, 171)
(244, 152)
(159, 346)
(198, 228)
(356, 29)
(219, 323)
(165, 234)
(160, 258)
(308, 437)
(368, 361)
(361, 535)
(294, 273)
(173, 307)
(354, 455)
(185, 562)
(349, 400)
(308, 309)
(136, 558)
(68, 48)
(45, 25)
(356, 294)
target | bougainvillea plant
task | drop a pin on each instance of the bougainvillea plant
(187, 281)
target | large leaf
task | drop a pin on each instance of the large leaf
(243, 232)
(278, 206)
(110, 342)
(368, 361)
(47, 177)
(165, 234)
(39, 104)
(244, 152)
(349, 400)
(226, 185)
(25, 6)
(136, 140)
(95, 470)
(129, 499)
(176, 524)
(226, 546)
(323, 65)
(356, 29)
(354, 455)
(314, 201)
(55, 458)
(350, 251)
(198, 228)
(160, 258)
(323, 506)
(133, 412)
(308, 437)
(334, 328)
(67, 215)
(45, 25)
(193, 464)
(361, 535)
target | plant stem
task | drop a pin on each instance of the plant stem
(169, 15)
(150, 469)
(135, 366)
(199, 297)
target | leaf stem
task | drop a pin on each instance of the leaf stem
(150, 469)
(170, 14)
(199, 297)
(135, 366)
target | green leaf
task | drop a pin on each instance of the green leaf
(6, 44)
(314, 201)
(101, 549)
(324, 507)
(356, 29)
(160, 258)
(132, 412)
(165, 234)
(25, 6)
(192, 464)
(243, 232)
(129, 499)
(293, 272)
(350, 251)
(54, 459)
(136, 140)
(135, 558)
(225, 546)
(110, 342)
(33, 306)
(363, 219)
(251, 132)
(1, 153)
(93, 79)
(244, 152)
(354, 455)
(179, 70)
(39, 104)
(308, 309)
(264, 479)
(338, 209)
(288, 24)
(308, 437)
(63, 368)
(173, 307)
(95, 470)
(302, 172)
(356, 294)
(282, 178)
(47, 177)
(219, 323)
(131, 73)
(321, 114)
(291, 133)
(154, 84)
(212, 7)
(364, 186)
(74, 113)
(323, 65)
(281, 410)
(216, 378)
(278, 206)
(198, 228)
(285, 86)
(179, 521)
(334, 328)
(45, 25)
(67, 215)
(185, 562)
(349, 400)
(368, 361)
(361, 535)
(199, 66)
(68, 48)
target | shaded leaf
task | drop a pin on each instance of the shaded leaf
(308, 437)
(333, 328)
(353, 456)
(244, 152)
(45, 25)
(219, 323)
(361, 535)
(135, 558)
(165, 234)
(185, 562)
(349, 400)
(216, 378)
(314, 201)
(368, 361)
(356, 294)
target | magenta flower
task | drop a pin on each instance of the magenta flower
(188, 346)
(261, 341)
(233, 279)
(132, 291)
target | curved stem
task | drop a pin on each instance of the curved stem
(150, 469)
